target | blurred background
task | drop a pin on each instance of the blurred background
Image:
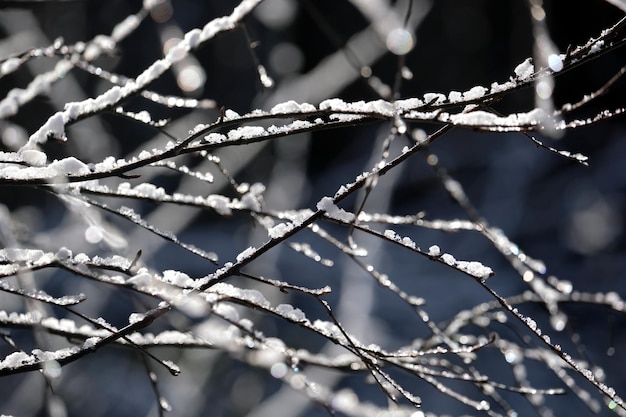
(568, 215)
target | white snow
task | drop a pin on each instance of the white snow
(448, 259)
(266, 80)
(198, 128)
(300, 124)
(455, 96)
(41, 84)
(524, 70)
(34, 157)
(474, 93)
(227, 311)
(329, 329)
(407, 241)
(290, 312)
(15, 359)
(21, 255)
(292, 106)
(108, 164)
(136, 317)
(10, 156)
(475, 269)
(231, 115)
(333, 104)
(271, 356)
(220, 204)
(407, 104)
(81, 258)
(180, 279)
(280, 229)
(142, 116)
(532, 117)
(69, 166)
(246, 132)
(251, 202)
(298, 216)
(144, 154)
(55, 127)
(307, 108)
(193, 38)
(246, 254)
(114, 261)
(293, 126)
(215, 138)
(63, 253)
(390, 234)
(475, 118)
(149, 191)
(287, 107)
(381, 107)
(487, 119)
(597, 45)
(498, 88)
(141, 279)
(434, 251)
(30, 318)
(252, 296)
(326, 204)
(434, 98)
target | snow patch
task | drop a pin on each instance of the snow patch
(280, 230)
(177, 278)
(246, 254)
(54, 126)
(246, 132)
(474, 93)
(448, 259)
(455, 96)
(475, 269)
(524, 70)
(34, 157)
(434, 98)
(327, 204)
(407, 104)
(434, 251)
(227, 311)
(292, 106)
(70, 166)
(290, 312)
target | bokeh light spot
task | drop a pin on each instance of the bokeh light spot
(400, 41)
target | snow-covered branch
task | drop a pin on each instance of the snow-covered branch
(244, 211)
